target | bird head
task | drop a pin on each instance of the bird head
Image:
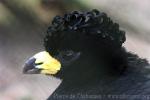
(87, 35)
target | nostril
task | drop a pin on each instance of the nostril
(39, 63)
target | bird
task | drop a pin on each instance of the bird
(85, 50)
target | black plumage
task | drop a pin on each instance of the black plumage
(87, 32)
(104, 68)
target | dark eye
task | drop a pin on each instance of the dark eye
(39, 63)
(69, 53)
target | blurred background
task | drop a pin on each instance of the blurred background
(22, 27)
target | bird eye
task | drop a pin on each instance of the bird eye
(69, 53)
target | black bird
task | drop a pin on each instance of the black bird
(85, 50)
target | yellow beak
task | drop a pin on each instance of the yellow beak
(42, 63)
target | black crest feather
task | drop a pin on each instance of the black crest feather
(92, 23)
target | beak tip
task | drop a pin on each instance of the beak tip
(29, 65)
(25, 69)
